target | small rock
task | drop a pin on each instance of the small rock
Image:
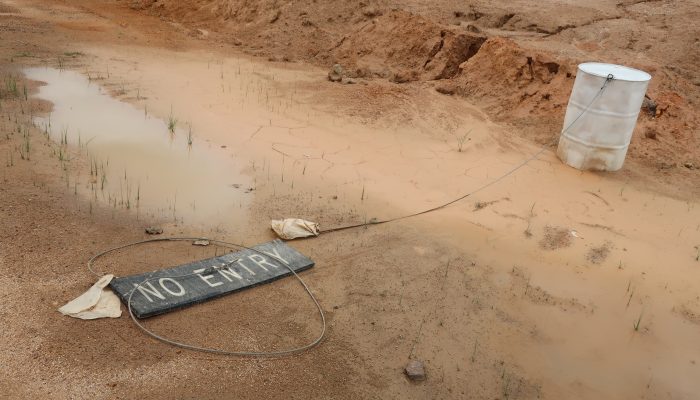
(201, 242)
(689, 165)
(445, 90)
(649, 106)
(154, 230)
(349, 81)
(275, 16)
(469, 27)
(279, 59)
(371, 12)
(336, 73)
(650, 133)
(473, 28)
(415, 370)
(403, 76)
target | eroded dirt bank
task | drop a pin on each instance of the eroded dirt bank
(552, 284)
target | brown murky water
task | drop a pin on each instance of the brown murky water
(136, 160)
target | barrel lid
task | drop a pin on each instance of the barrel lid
(619, 72)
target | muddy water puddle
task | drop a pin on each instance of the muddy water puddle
(155, 167)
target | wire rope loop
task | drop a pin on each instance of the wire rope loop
(276, 353)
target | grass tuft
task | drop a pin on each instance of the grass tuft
(11, 85)
(172, 121)
(463, 139)
(638, 322)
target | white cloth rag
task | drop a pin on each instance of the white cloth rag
(292, 228)
(97, 302)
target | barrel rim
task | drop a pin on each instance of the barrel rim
(619, 72)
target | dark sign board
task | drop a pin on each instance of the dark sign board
(168, 289)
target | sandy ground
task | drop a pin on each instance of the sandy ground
(553, 283)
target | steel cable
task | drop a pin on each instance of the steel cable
(276, 353)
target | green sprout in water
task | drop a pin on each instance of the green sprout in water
(461, 140)
(172, 121)
(24, 148)
(639, 321)
(11, 85)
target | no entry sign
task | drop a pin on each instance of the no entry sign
(167, 289)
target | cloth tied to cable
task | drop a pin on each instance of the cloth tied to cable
(292, 228)
(97, 302)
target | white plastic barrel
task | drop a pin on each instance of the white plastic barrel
(598, 125)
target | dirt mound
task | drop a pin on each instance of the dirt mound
(522, 75)
(527, 16)
(530, 88)
(365, 38)
(294, 30)
(513, 84)
(406, 47)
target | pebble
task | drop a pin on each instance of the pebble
(371, 12)
(415, 370)
(336, 73)
(154, 230)
(649, 106)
